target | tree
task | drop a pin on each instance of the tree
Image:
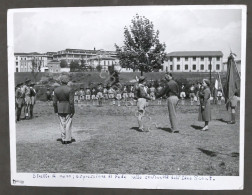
(142, 49)
(74, 66)
(63, 63)
(99, 68)
(35, 68)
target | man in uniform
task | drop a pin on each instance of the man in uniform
(171, 90)
(81, 94)
(33, 98)
(19, 100)
(27, 92)
(141, 95)
(63, 103)
(111, 94)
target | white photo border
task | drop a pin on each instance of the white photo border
(124, 180)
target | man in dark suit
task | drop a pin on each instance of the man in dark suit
(63, 103)
(171, 90)
(141, 95)
(19, 95)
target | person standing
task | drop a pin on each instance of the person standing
(171, 90)
(192, 93)
(33, 98)
(159, 89)
(63, 103)
(205, 108)
(100, 94)
(48, 95)
(142, 96)
(27, 92)
(19, 100)
(182, 94)
(232, 102)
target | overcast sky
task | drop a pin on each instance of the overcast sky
(182, 29)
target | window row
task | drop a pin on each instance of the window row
(194, 58)
(194, 67)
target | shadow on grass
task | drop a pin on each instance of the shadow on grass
(221, 120)
(196, 127)
(60, 140)
(165, 129)
(208, 152)
(136, 129)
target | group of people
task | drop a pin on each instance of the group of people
(64, 99)
(25, 98)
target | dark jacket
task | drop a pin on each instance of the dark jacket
(171, 89)
(63, 100)
(141, 93)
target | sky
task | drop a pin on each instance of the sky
(181, 28)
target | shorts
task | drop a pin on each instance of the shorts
(182, 95)
(125, 95)
(111, 96)
(87, 97)
(118, 96)
(191, 95)
(105, 96)
(93, 97)
(27, 100)
(99, 95)
(141, 104)
(33, 100)
(131, 95)
(82, 97)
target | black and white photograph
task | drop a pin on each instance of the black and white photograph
(127, 96)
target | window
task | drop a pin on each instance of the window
(178, 67)
(217, 67)
(166, 69)
(186, 58)
(171, 58)
(186, 67)
(194, 58)
(218, 58)
(178, 59)
(16, 63)
(171, 67)
(194, 67)
(202, 58)
(202, 67)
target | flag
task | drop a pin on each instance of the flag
(232, 80)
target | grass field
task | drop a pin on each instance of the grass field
(107, 141)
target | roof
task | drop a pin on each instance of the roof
(29, 54)
(102, 58)
(195, 54)
(53, 61)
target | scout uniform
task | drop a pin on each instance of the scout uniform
(93, 95)
(125, 93)
(232, 103)
(99, 94)
(19, 101)
(219, 96)
(63, 103)
(48, 95)
(141, 94)
(131, 92)
(192, 93)
(88, 93)
(159, 89)
(33, 98)
(182, 94)
(105, 93)
(82, 94)
(111, 94)
(118, 96)
(27, 98)
(76, 96)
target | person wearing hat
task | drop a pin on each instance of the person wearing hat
(27, 97)
(141, 94)
(192, 93)
(205, 106)
(171, 90)
(63, 104)
(33, 98)
(105, 93)
(93, 95)
(159, 89)
(81, 94)
(19, 100)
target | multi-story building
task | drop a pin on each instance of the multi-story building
(103, 61)
(28, 62)
(54, 66)
(194, 61)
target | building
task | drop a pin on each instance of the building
(28, 62)
(54, 66)
(103, 61)
(194, 61)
